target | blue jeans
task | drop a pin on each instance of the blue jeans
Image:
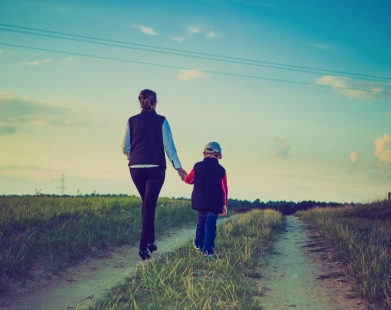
(206, 231)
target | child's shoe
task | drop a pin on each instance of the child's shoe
(152, 247)
(196, 246)
(144, 254)
(210, 256)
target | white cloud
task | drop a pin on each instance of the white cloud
(38, 62)
(340, 83)
(211, 34)
(185, 75)
(255, 3)
(18, 112)
(320, 46)
(40, 122)
(281, 147)
(333, 81)
(148, 30)
(193, 30)
(177, 39)
(6, 96)
(68, 61)
(376, 90)
(354, 157)
(383, 152)
(63, 9)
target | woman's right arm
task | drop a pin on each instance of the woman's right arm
(126, 141)
(170, 149)
(169, 146)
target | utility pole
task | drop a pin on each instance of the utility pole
(62, 184)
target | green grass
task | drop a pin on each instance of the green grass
(361, 236)
(55, 231)
(184, 279)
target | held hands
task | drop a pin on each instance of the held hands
(182, 173)
(225, 211)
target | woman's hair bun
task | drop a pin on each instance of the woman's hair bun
(147, 99)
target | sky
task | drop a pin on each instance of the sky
(297, 93)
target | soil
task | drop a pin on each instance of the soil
(302, 274)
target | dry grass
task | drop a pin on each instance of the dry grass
(55, 231)
(361, 236)
(184, 279)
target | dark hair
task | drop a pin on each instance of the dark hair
(147, 99)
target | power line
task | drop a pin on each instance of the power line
(179, 67)
(279, 67)
(89, 55)
(184, 53)
(192, 54)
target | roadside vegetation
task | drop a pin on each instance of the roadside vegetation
(361, 237)
(285, 207)
(55, 230)
(184, 279)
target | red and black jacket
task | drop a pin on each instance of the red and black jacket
(210, 192)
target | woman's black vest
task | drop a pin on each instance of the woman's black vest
(146, 138)
(207, 192)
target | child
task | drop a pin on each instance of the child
(209, 197)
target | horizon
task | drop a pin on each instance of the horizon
(39, 193)
(94, 194)
(297, 94)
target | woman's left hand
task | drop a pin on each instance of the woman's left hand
(182, 173)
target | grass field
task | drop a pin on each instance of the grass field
(55, 231)
(184, 279)
(361, 236)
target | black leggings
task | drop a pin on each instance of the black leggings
(149, 182)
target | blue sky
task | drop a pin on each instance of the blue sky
(327, 139)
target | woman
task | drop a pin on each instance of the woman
(147, 136)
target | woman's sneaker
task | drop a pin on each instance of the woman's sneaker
(144, 254)
(152, 247)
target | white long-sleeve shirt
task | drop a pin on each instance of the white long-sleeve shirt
(168, 143)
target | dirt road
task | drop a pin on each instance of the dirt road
(85, 282)
(301, 275)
